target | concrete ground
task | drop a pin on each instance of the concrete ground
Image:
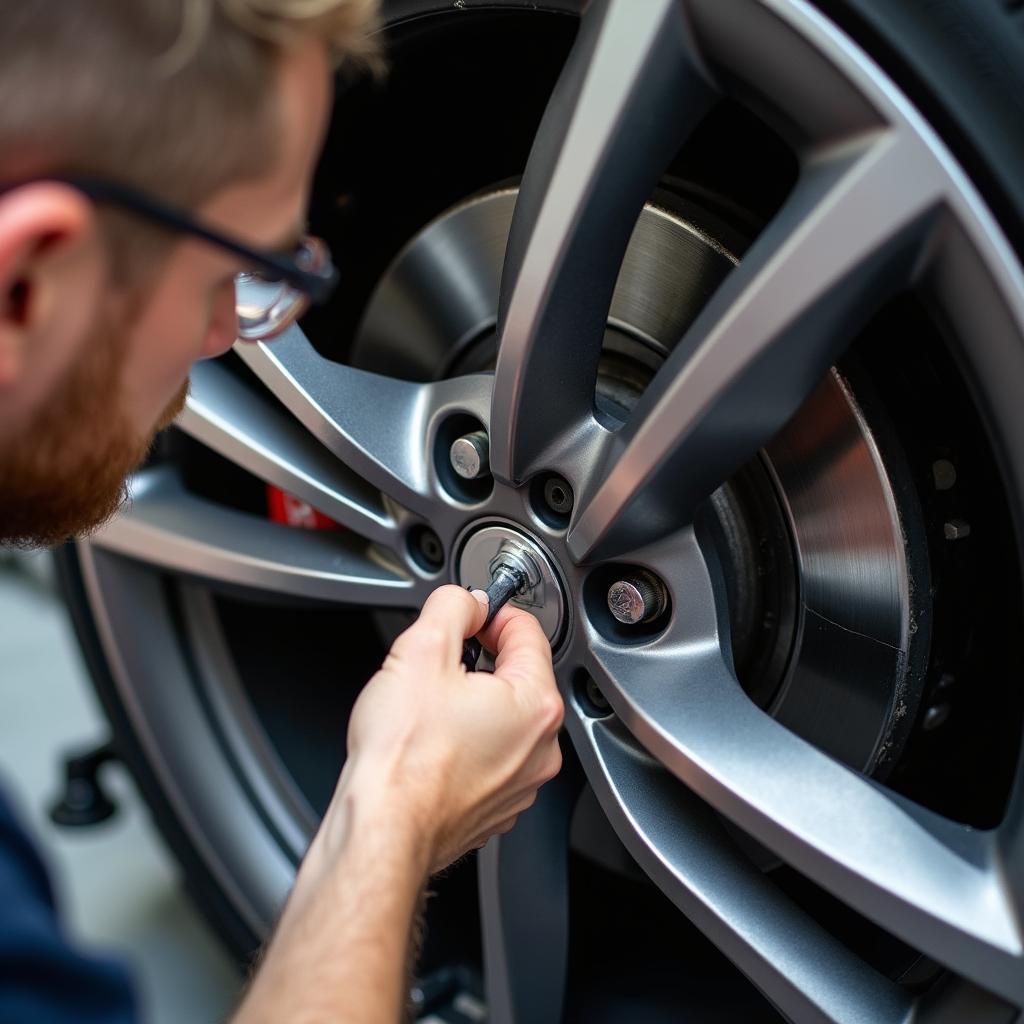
(117, 884)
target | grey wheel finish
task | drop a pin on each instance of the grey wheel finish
(664, 372)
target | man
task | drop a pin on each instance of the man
(218, 108)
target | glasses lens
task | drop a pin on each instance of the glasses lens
(266, 307)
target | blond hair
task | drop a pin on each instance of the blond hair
(171, 96)
(347, 27)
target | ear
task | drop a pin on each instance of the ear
(52, 268)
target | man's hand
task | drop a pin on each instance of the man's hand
(461, 754)
(439, 760)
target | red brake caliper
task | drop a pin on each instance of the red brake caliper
(288, 510)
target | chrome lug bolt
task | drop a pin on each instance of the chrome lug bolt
(469, 455)
(636, 598)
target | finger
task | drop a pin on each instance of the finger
(522, 651)
(448, 616)
(492, 634)
(458, 610)
(552, 763)
(502, 828)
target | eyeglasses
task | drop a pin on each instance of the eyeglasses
(268, 303)
(268, 298)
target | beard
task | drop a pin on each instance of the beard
(65, 474)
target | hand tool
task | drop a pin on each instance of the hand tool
(513, 573)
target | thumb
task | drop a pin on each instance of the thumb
(523, 654)
(448, 616)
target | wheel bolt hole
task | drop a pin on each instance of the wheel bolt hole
(590, 697)
(426, 548)
(552, 500)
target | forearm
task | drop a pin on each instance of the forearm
(438, 762)
(341, 948)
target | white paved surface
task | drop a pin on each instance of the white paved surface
(117, 884)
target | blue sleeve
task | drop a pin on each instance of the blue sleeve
(44, 979)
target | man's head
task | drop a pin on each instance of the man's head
(216, 106)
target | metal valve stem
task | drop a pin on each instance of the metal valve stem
(506, 582)
(514, 572)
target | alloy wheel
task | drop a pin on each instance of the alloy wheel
(714, 743)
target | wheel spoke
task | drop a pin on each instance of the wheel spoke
(805, 972)
(626, 99)
(933, 883)
(166, 526)
(850, 236)
(240, 424)
(379, 427)
(524, 902)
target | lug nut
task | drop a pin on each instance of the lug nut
(469, 455)
(636, 598)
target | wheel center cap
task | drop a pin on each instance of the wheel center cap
(481, 551)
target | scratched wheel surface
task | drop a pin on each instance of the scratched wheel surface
(732, 289)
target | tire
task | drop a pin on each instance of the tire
(233, 931)
(922, 399)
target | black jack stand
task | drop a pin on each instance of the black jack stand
(83, 801)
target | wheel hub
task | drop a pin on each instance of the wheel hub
(480, 550)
